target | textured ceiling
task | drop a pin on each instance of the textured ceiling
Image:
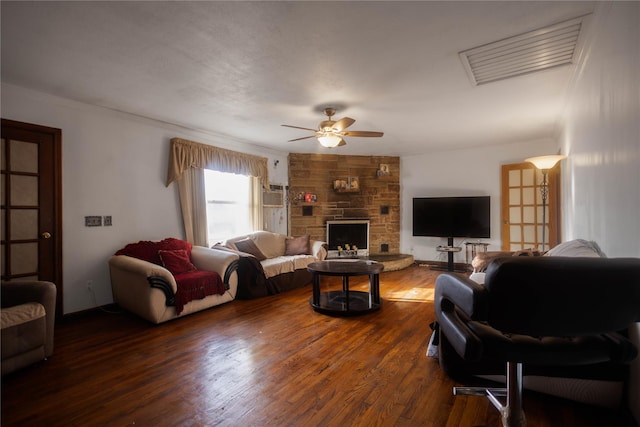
(239, 70)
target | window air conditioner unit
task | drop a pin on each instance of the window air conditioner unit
(274, 197)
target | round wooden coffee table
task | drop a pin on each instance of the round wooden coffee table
(346, 302)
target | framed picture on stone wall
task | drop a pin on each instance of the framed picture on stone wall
(383, 169)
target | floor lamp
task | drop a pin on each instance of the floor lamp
(544, 163)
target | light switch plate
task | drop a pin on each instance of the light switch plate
(93, 221)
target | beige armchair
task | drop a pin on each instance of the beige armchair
(28, 320)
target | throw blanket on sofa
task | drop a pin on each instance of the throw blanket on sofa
(196, 285)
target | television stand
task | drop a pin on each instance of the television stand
(450, 250)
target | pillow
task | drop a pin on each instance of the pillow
(270, 244)
(249, 246)
(176, 261)
(297, 246)
(577, 248)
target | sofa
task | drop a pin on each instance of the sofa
(271, 263)
(168, 279)
(28, 320)
(600, 384)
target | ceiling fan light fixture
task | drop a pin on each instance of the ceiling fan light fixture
(329, 139)
(330, 132)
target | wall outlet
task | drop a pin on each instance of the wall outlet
(106, 220)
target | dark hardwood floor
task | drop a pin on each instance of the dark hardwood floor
(266, 362)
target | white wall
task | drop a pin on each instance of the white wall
(471, 172)
(113, 164)
(602, 138)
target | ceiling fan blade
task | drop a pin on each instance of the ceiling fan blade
(343, 123)
(341, 143)
(298, 127)
(304, 137)
(362, 133)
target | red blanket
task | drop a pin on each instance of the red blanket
(148, 250)
(197, 285)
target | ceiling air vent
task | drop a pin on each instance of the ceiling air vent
(537, 50)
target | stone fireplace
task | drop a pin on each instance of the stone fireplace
(371, 191)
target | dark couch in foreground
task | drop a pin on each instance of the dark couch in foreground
(575, 279)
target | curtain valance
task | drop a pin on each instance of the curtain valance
(187, 154)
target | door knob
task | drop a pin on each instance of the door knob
(46, 235)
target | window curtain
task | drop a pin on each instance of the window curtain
(194, 206)
(256, 203)
(187, 154)
(187, 161)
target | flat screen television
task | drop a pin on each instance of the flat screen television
(452, 216)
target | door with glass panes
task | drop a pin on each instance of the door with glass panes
(31, 204)
(522, 207)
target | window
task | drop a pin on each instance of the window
(228, 205)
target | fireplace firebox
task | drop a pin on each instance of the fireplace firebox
(348, 238)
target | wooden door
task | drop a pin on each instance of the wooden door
(522, 219)
(31, 204)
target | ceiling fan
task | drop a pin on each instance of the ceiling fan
(330, 132)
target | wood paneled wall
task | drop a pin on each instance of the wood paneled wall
(378, 198)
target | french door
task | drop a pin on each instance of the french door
(31, 204)
(522, 208)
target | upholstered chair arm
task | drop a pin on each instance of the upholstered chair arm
(465, 294)
(22, 292)
(223, 262)
(458, 300)
(140, 269)
(131, 285)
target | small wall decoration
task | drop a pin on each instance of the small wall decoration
(349, 184)
(383, 170)
(353, 183)
(305, 197)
